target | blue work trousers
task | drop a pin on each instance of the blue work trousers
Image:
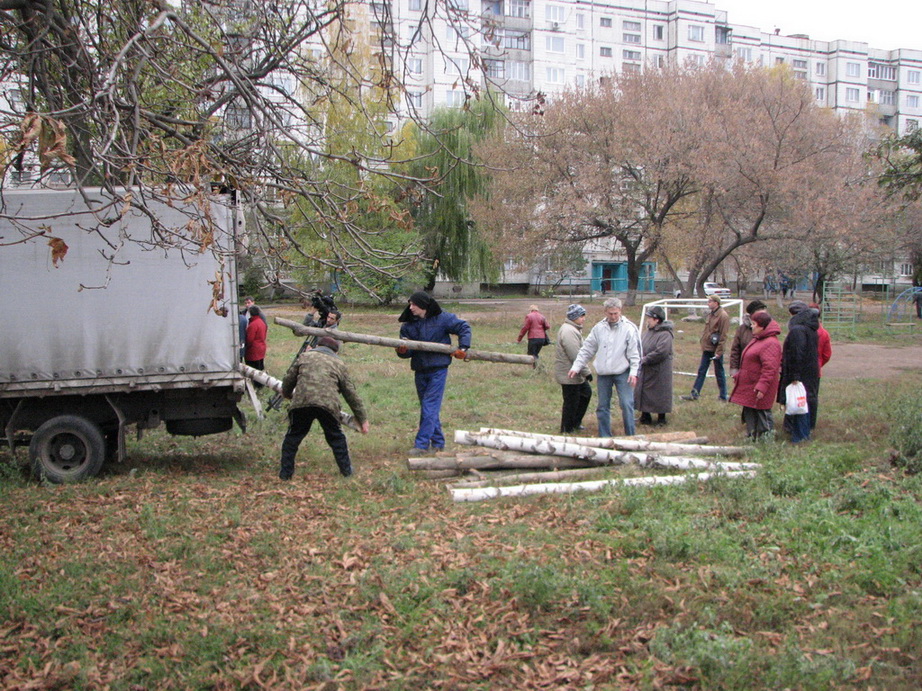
(625, 399)
(430, 386)
(707, 357)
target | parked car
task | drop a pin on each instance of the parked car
(716, 289)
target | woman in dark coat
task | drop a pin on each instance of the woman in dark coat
(799, 362)
(756, 380)
(653, 393)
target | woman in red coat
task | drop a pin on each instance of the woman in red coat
(757, 379)
(255, 351)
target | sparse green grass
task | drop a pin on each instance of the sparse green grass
(191, 566)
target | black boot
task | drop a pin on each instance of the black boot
(646, 419)
(661, 419)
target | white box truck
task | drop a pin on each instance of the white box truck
(106, 327)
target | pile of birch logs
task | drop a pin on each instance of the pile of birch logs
(559, 465)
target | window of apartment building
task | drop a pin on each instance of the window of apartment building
(517, 40)
(820, 93)
(580, 51)
(819, 69)
(630, 26)
(912, 76)
(779, 61)
(912, 101)
(630, 68)
(660, 61)
(872, 96)
(581, 80)
(518, 8)
(415, 65)
(459, 66)
(744, 53)
(852, 95)
(554, 13)
(456, 34)
(905, 269)
(912, 125)
(879, 71)
(800, 69)
(853, 69)
(605, 52)
(659, 32)
(886, 98)
(493, 7)
(554, 44)
(493, 36)
(416, 5)
(696, 33)
(495, 69)
(454, 99)
(697, 60)
(630, 38)
(631, 55)
(459, 4)
(580, 21)
(605, 22)
(555, 75)
(519, 70)
(722, 35)
(415, 98)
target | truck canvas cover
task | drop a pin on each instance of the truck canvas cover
(116, 309)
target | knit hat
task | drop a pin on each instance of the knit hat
(798, 306)
(657, 312)
(422, 300)
(327, 342)
(763, 319)
(714, 298)
(755, 306)
(575, 312)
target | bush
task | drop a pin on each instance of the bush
(906, 433)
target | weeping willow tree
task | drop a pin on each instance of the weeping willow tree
(444, 156)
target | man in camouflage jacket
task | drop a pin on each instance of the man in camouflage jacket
(313, 383)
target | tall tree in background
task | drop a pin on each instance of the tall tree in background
(606, 163)
(445, 160)
(902, 179)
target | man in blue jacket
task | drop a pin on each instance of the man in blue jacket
(424, 320)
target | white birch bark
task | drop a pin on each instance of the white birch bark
(481, 493)
(626, 444)
(596, 455)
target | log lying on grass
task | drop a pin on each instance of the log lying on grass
(270, 382)
(481, 493)
(346, 336)
(626, 444)
(522, 478)
(497, 462)
(595, 455)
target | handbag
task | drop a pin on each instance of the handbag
(795, 396)
(547, 341)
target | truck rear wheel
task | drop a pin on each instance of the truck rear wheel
(67, 448)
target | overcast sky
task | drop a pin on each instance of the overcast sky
(887, 25)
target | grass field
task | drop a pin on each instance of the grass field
(192, 567)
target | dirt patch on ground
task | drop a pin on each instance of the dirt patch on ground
(859, 360)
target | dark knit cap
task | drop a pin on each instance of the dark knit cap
(755, 306)
(328, 342)
(798, 306)
(763, 319)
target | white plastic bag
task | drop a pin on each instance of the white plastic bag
(795, 396)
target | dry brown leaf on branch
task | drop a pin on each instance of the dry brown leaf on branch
(58, 250)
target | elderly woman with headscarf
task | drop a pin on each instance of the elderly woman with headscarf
(576, 391)
(800, 363)
(653, 393)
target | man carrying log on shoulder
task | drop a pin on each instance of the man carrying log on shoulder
(313, 383)
(424, 320)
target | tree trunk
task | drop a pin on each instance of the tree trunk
(301, 330)
(663, 448)
(480, 493)
(594, 455)
(521, 478)
(491, 463)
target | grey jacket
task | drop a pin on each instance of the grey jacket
(616, 348)
(569, 341)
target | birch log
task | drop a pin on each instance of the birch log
(594, 455)
(346, 336)
(492, 463)
(662, 448)
(270, 382)
(684, 463)
(522, 478)
(480, 493)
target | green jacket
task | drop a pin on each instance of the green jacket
(316, 379)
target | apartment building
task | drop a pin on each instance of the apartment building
(531, 49)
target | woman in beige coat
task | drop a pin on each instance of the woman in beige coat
(576, 391)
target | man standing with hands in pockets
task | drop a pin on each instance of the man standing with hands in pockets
(615, 344)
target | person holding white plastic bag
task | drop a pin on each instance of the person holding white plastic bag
(799, 363)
